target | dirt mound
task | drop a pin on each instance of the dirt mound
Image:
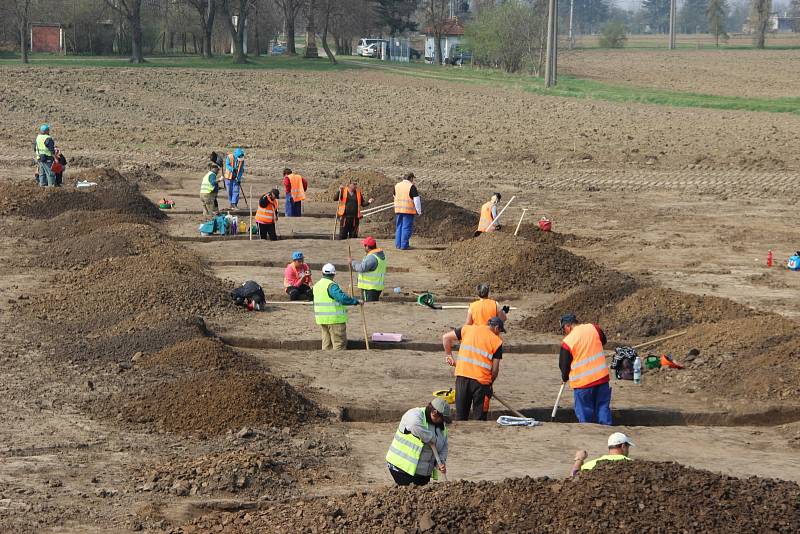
(112, 192)
(590, 303)
(144, 175)
(73, 223)
(531, 231)
(196, 353)
(263, 461)
(511, 263)
(445, 222)
(211, 402)
(633, 497)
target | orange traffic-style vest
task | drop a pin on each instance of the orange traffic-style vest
(296, 185)
(482, 310)
(486, 218)
(403, 203)
(478, 345)
(267, 215)
(588, 358)
(343, 192)
(227, 173)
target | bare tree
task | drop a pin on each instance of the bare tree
(311, 30)
(22, 12)
(132, 11)
(353, 17)
(236, 31)
(436, 12)
(208, 11)
(328, 10)
(759, 19)
(290, 8)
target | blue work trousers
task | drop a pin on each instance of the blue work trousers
(593, 405)
(404, 226)
(233, 192)
(46, 175)
(293, 209)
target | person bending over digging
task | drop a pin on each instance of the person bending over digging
(410, 457)
(618, 448)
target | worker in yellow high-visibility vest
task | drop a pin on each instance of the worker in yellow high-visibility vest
(410, 457)
(330, 309)
(45, 149)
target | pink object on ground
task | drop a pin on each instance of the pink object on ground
(380, 336)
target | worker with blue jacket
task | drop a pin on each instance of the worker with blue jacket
(233, 172)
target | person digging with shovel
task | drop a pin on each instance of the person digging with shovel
(419, 439)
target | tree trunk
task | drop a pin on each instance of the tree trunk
(325, 34)
(290, 34)
(23, 41)
(136, 38)
(437, 47)
(208, 27)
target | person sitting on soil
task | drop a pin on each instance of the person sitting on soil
(618, 448)
(371, 270)
(350, 202)
(407, 205)
(330, 311)
(297, 278)
(209, 188)
(296, 187)
(410, 457)
(482, 310)
(488, 214)
(583, 364)
(267, 215)
(477, 366)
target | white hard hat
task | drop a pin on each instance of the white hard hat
(618, 438)
(328, 268)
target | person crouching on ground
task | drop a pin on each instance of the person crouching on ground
(297, 278)
(410, 457)
(618, 449)
(330, 311)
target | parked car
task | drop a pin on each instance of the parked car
(370, 51)
(365, 42)
(415, 54)
(278, 50)
(459, 55)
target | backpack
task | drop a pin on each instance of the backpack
(623, 362)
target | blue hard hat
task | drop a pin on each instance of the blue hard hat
(44, 128)
(238, 153)
(297, 255)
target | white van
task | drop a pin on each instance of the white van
(364, 43)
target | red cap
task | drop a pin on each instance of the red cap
(369, 242)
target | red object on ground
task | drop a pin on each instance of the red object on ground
(769, 259)
(667, 361)
(545, 225)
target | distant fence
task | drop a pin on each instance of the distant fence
(398, 50)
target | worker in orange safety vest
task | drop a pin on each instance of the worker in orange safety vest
(350, 201)
(488, 214)
(296, 187)
(483, 309)
(267, 215)
(407, 205)
(476, 366)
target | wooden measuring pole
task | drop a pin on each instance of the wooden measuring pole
(520, 220)
(353, 292)
(250, 218)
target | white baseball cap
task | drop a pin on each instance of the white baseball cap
(328, 268)
(618, 438)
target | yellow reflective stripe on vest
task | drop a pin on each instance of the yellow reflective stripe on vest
(590, 370)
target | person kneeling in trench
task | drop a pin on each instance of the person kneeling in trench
(618, 449)
(410, 457)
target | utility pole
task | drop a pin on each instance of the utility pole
(551, 63)
(672, 21)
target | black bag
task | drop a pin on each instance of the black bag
(623, 362)
(249, 291)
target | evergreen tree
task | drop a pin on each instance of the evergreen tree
(587, 15)
(397, 14)
(656, 15)
(716, 19)
(692, 17)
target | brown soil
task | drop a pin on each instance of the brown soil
(531, 231)
(634, 497)
(511, 263)
(211, 402)
(373, 184)
(112, 192)
(196, 353)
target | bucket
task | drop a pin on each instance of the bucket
(545, 225)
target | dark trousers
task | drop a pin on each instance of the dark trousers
(470, 398)
(371, 295)
(293, 209)
(402, 478)
(267, 231)
(348, 227)
(301, 292)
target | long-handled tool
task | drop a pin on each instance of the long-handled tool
(558, 400)
(250, 218)
(520, 220)
(438, 460)
(639, 346)
(374, 209)
(501, 212)
(510, 408)
(353, 292)
(335, 224)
